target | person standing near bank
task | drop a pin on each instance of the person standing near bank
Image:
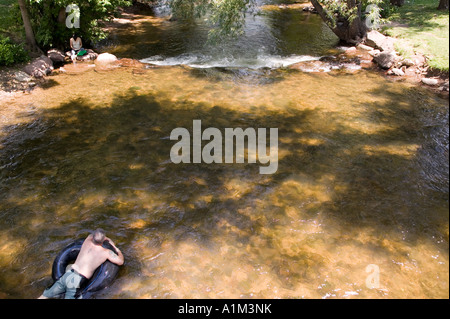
(91, 256)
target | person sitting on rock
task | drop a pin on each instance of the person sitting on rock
(76, 46)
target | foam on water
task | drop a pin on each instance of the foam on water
(204, 61)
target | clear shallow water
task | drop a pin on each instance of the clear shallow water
(362, 179)
(274, 37)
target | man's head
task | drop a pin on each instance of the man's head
(98, 236)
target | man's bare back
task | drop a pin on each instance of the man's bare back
(91, 256)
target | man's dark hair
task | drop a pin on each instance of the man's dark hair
(98, 236)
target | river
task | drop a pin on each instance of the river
(361, 187)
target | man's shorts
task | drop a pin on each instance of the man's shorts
(69, 284)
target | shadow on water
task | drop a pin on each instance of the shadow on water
(48, 84)
(81, 166)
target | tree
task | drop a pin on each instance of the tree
(344, 18)
(29, 34)
(47, 19)
(443, 5)
(227, 17)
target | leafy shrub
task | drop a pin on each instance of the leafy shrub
(11, 53)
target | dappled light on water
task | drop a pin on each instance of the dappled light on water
(358, 183)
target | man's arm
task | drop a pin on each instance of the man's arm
(112, 257)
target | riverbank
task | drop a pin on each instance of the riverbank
(420, 28)
(417, 36)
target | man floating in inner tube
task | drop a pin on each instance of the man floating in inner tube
(91, 256)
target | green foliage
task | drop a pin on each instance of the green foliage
(10, 19)
(50, 32)
(337, 10)
(188, 9)
(387, 9)
(11, 53)
(348, 10)
(227, 17)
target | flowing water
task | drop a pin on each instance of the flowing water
(362, 172)
(273, 38)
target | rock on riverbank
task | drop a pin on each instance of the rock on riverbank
(24, 78)
(415, 69)
(39, 67)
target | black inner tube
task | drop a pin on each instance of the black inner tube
(102, 277)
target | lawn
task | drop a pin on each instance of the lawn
(421, 28)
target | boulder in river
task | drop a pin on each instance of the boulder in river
(379, 41)
(351, 51)
(444, 86)
(408, 63)
(397, 72)
(311, 66)
(386, 59)
(22, 76)
(130, 63)
(39, 67)
(106, 59)
(365, 47)
(89, 56)
(57, 56)
(374, 53)
(430, 81)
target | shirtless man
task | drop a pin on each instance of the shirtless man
(91, 256)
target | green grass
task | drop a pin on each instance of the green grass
(420, 28)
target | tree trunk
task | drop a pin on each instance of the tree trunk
(443, 5)
(62, 16)
(29, 34)
(349, 32)
(397, 3)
